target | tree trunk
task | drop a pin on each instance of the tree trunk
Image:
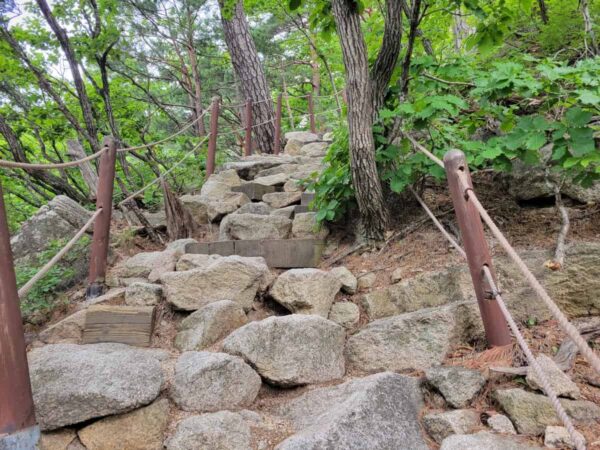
(63, 39)
(591, 45)
(543, 10)
(249, 71)
(75, 151)
(388, 54)
(365, 179)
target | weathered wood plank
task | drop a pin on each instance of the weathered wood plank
(280, 253)
(131, 325)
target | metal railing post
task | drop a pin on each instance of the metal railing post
(17, 417)
(101, 237)
(476, 248)
(248, 138)
(277, 148)
(212, 139)
(311, 114)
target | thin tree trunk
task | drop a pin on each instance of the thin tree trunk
(365, 179)
(388, 54)
(250, 73)
(63, 39)
(590, 43)
(543, 10)
(200, 127)
(460, 30)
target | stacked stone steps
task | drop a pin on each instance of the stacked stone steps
(223, 352)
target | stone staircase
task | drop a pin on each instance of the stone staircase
(243, 356)
(261, 207)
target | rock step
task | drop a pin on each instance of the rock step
(278, 253)
(254, 191)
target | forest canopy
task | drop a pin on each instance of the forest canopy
(500, 80)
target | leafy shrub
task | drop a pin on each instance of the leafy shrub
(43, 296)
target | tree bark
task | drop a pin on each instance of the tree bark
(250, 73)
(388, 54)
(359, 88)
(591, 45)
(75, 151)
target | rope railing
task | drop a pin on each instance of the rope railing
(168, 138)
(56, 258)
(541, 376)
(33, 166)
(162, 175)
(563, 321)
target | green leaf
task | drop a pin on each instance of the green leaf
(535, 141)
(294, 4)
(588, 97)
(578, 117)
(581, 140)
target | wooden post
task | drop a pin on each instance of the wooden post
(101, 238)
(248, 138)
(476, 248)
(311, 113)
(277, 149)
(17, 418)
(212, 139)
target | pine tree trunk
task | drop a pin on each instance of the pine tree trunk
(365, 179)
(249, 71)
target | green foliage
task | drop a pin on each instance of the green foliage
(333, 186)
(43, 296)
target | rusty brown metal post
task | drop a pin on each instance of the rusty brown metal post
(311, 113)
(212, 139)
(248, 138)
(277, 149)
(478, 254)
(101, 237)
(17, 418)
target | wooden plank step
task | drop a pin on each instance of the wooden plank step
(254, 191)
(279, 253)
(132, 325)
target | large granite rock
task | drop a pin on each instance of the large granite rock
(305, 226)
(306, 291)
(560, 383)
(282, 199)
(416, 340)
(61, 218)
(209, 324)
(254, 226)
(313, 149)
(559, 437)
(423, 291)
(347, 278)
(459, 421)
(142, 429)
(191, 261)
(296, 140)
(75, 383)
(255, 208)
(528, 182)
(377, 412)
(484, 441)
(277, 179)
(143, 294)
(67, 331)
(248, 167)
(234, 278)
(532, 413)
(346, 314)
(197, 206)
(206, 382)
(291, 350)
(457, 385)
(573, 288)
(224, 430)
(149, 265)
